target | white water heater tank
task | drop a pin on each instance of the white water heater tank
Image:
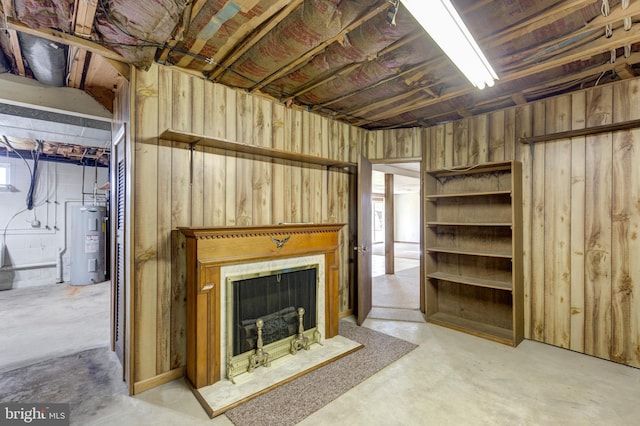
(88, 252)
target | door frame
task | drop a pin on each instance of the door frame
(420, 162)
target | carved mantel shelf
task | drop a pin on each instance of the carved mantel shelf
(208, 249)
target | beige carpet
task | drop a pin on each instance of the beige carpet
(290, 403)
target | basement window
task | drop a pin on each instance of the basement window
(5, 178)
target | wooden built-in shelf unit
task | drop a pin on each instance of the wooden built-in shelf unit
(256, 150)
(473, 246)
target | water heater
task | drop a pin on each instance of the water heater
(88, 249)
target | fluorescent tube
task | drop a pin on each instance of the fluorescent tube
(440, 19)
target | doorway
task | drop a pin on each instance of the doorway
(396, 280)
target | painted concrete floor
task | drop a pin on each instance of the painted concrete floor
(451, 379)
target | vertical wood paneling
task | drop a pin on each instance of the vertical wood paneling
(510, 134)
(479, 140)
(316, 173)
(557, 229)
(324, 148)
(296, 167)
(181, 196)
(306, 190)
(197, 126)
(537, 228)
(625, 248)
(244, 169)
(496, 136)
(598, 226)
(215, 161)
(208, 180)
(145, 239)
(389, 145)
(164, 226)
(585, 179)
(333, 183)
(277, 175)
(461, 142)
(225, 189)
(262, 189)
(578, 119)
(230, 159)
(523, 128)
(440, 149)
(448, 145)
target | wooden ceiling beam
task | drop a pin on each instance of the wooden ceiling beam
(352, 67)
(84, 15)
(200, 43)
(519, 98)
(188, 14)
(243, 32)
(68, 39)
(540, 20)
(214, 70)
(14, 42)
(300, 61)
(618, 39)
(625, 71)
(414, 69)
(584, 34)
(17, 52)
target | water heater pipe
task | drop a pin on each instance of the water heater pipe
(62, 250)
(28, 266)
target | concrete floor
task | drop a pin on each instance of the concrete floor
(451, 378)
(396, 296)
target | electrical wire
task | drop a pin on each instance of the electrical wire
(4, 233)
(34, 175)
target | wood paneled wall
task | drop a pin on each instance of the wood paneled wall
(176, 187)
(581, 200)
(581, 213)
(394, 145)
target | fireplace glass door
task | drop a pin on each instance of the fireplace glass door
(275, 297)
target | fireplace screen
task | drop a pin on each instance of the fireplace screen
(274, 297)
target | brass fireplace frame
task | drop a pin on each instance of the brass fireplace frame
(238, 364)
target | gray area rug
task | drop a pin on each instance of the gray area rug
(291, 403)
(81, 380)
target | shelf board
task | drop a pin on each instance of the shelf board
(274, 153)
(496, 224)
(468, 194)
(487, 331)
(485, 253)
(497, 166)
(473, 281)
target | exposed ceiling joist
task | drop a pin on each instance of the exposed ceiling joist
(68, 39)
(340, 59)
(220, 65)
(322, 46)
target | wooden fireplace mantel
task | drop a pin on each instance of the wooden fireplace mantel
(208, 249)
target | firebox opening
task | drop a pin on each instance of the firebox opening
(274, 297)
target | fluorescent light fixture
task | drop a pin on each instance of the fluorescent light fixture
(440, 19)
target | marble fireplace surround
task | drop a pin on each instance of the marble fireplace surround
(214, 253)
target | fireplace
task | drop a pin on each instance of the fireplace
(274, 297)
(272, 291)
(278, 269)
